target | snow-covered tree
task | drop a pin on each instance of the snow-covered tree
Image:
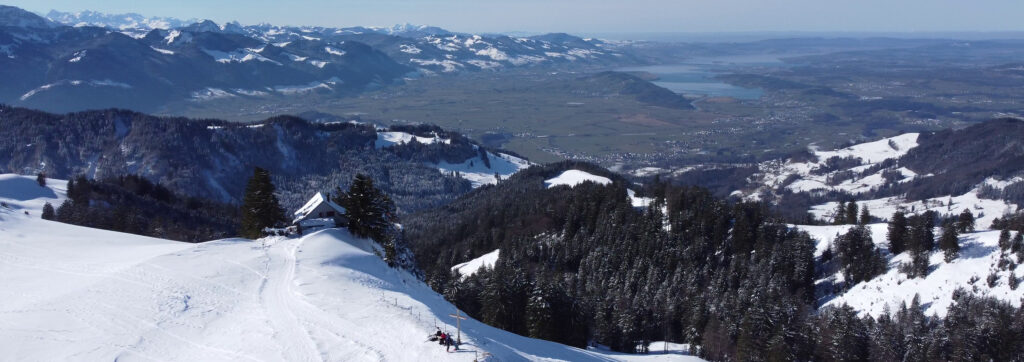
(858, 257)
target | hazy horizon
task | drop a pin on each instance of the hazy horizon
(590, 17)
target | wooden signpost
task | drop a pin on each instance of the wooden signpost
(458, 325)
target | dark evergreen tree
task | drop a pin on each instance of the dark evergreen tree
(839, 215)
(898, 233)
(484, 157)
(41, 179)
(260, 208)
(965, 222)
(370, 212)
(922, 235)
(858, 257)
(851, 213)
(540, 315)
(79, 190)
(48, 212)
(949, 242)
(920, 262)
(844, 336)
(1004, 240)
(1017, 244)
(865, 216)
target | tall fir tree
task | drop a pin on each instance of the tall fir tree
(949, 242)
(897, 233)
(369, 212)
(540, 315)
(260, 208)
(839, 216)
(865, 216)
(851, 213)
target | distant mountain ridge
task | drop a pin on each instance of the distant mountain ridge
(91, 60)
(117, 21)
(426, 48)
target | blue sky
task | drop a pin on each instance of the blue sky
(588, 16)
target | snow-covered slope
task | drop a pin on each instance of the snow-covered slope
(575, 177)
(74, 293)
(473, 169)
(810, 176)
(979, 256)
(478, 174)
(472, 266)
(984, 210)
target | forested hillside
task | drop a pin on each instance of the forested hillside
(586, 263)
(135, 205)
(212, 159)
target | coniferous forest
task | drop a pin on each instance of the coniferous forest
(133, 204)
(582, 264)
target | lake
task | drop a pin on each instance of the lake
(696, 76)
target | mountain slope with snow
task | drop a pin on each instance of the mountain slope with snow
(74, 293)
(979, 257)
(820, 175)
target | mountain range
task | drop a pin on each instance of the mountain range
(90, 60)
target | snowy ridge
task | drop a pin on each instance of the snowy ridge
(73, 83)
(74, 293)
(575, 177)
(239, 56)
(388, 139)
(572, 178)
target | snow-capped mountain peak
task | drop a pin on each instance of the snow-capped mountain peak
(116, 21)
